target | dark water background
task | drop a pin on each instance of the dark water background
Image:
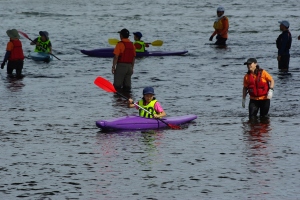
(50, 146)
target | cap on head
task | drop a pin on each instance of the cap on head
(220, 9)
(44, 33)
(250, 61)
(124, 32)
(284, 23)
(138, 34)
(13, 34)
(148, 90)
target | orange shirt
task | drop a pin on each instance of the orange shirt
(9, 46)
(120, 47)
(265, 77)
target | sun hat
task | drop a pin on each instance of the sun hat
(138, 34)
(13, 34)
(221, 9)
(250, 61)
(124, 32)
(284, 23)
(44, 33)
(148, 90)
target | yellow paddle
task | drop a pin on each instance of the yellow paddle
(114, 41)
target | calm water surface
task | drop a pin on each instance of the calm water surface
(51, 149)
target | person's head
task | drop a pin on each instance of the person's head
(44, 35)
(137, 35)
(220, 11)
(251, 65)
(124, 33)
(148, 94)
(284, 25)
(13, 34)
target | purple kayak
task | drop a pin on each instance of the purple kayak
(141, 123)
(108, 53)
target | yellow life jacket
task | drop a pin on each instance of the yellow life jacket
(149, 107)
(219, 24)
(42, 45)
(142, 49)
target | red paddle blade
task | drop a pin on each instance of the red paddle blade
(24, 34)
(174, 126)
(104, 84)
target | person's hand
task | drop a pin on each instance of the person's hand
(278, 58)
(130, 101)
(211, 38)
(2, 65)
(113, 69)
(270, 94)
(156, 116)
(243, 102)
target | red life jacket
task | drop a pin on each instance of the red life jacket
(257, 87)
(17, 52)
(128, 54)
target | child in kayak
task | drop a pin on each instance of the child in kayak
(148, 102)
(140, 45)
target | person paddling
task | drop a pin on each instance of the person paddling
(42, 43)
(140, 45)
(148, 102)
(14, 53)
(259, 84)
(221, 26)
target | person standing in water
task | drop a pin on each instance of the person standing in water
(221, 26)
(283, 43)
(123, 62)
(259, 84)
(14, 53)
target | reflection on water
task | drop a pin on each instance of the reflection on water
(257, 132)
(14, 84)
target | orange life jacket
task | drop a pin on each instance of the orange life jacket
(128, 54)
(17, 52)
(257, 87)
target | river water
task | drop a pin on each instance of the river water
(51, 148)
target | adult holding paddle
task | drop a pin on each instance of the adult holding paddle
(221, 26)
(140, 45)
(123, 62)
(42, 43)
(148, 103)
(14, 53)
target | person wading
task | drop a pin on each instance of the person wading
(123, 62)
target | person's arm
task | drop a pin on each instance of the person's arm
(34, 42)
(160, 115)
(225, 26)
(115, 61)
(159, 110)
(272, 83)
(50, 47)
(283, 45)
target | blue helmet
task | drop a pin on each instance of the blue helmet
(138, 34)
(148, 90)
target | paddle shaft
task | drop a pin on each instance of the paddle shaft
(143, 109)
(25, 35)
